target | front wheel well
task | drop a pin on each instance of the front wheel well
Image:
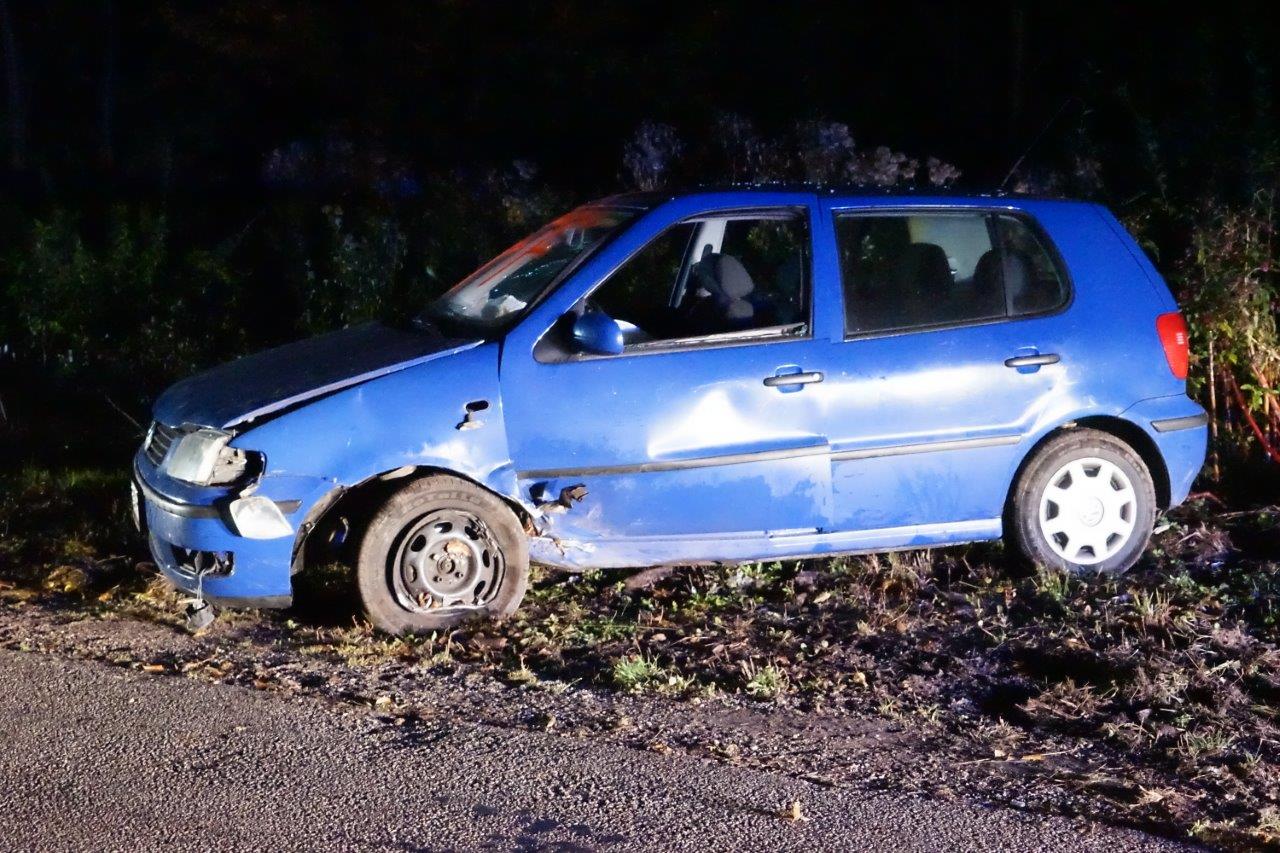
(336, 519)
(1126, 431)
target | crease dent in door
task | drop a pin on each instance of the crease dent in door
(718, 423)
(716, 444)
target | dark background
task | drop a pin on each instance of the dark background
(184, 182)
(123, 98)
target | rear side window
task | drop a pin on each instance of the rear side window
(1032, 282)
(906, 271)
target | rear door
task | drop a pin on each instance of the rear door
(952, 348)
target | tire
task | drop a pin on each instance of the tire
(439, 552)
(1084, 503)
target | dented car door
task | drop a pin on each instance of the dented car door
(697, 436)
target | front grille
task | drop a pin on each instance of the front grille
(162, 438)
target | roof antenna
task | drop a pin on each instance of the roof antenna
(1052, 119)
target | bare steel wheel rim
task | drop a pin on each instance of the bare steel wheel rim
(449, 560)
(1088, 511)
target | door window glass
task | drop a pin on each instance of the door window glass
(905, 271)
(901, 272)
(1032, 283)
(713, 276)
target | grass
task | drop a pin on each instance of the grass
(1158, 691)
(641, 673)
(636, 672)
(764, 682)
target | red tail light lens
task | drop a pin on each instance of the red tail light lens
(1173, 337)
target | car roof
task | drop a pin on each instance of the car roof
(870, 196)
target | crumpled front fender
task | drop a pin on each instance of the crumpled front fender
(415, 417)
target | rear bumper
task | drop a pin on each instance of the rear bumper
(1179, 427)
(251, 572)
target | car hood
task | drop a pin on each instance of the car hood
(258, 385)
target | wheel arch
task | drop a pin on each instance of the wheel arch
(1120, 428)
(355, 504)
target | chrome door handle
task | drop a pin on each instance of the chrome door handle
(793, 379)
(1032, 360)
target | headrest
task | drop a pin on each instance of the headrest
(923, 267)
(987, 274)
(727, 276)
(1016, 269)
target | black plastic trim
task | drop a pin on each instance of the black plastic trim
(1186, 422)
(926, 447)
(769, 455)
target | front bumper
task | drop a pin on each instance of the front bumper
(252, 572)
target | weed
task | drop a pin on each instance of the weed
(638, 673)
(634, 672)
(1208, 742)
(1053, 584)
(764, 682)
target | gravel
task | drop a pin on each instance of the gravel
(104, 757)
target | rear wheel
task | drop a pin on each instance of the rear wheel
(1085, 503)
(439, 552)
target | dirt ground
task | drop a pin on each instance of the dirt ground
(1149, 700)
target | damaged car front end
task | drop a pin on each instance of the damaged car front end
(227, 498)
(216, 526)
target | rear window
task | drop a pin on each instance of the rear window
(923, 270)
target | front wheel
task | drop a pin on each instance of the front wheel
(441, 551)
(1085, 503)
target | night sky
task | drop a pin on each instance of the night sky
(195, 97)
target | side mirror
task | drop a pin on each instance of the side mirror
(597, 333)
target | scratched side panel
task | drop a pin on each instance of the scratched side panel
(406, 418)
(749, 499)
(659, 550)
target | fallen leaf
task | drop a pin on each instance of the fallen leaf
(795, 814)
(68, 579)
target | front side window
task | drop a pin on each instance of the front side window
(730, 275)
(906, 271)
(500, 291)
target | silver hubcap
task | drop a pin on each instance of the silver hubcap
(448, 560)
(1088, 511)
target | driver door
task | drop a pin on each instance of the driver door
(709, 423)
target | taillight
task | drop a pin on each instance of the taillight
(1172, 330)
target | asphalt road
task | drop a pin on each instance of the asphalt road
(98, 757)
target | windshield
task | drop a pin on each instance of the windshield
(497, 293)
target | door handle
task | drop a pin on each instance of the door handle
(1032, 360)
(793, 379)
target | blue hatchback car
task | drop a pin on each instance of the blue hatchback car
(694, 377)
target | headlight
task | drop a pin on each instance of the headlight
(202, 457)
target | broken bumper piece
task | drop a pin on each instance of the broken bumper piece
(201, 556)
(198, 548)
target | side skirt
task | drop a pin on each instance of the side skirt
(642, 551)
